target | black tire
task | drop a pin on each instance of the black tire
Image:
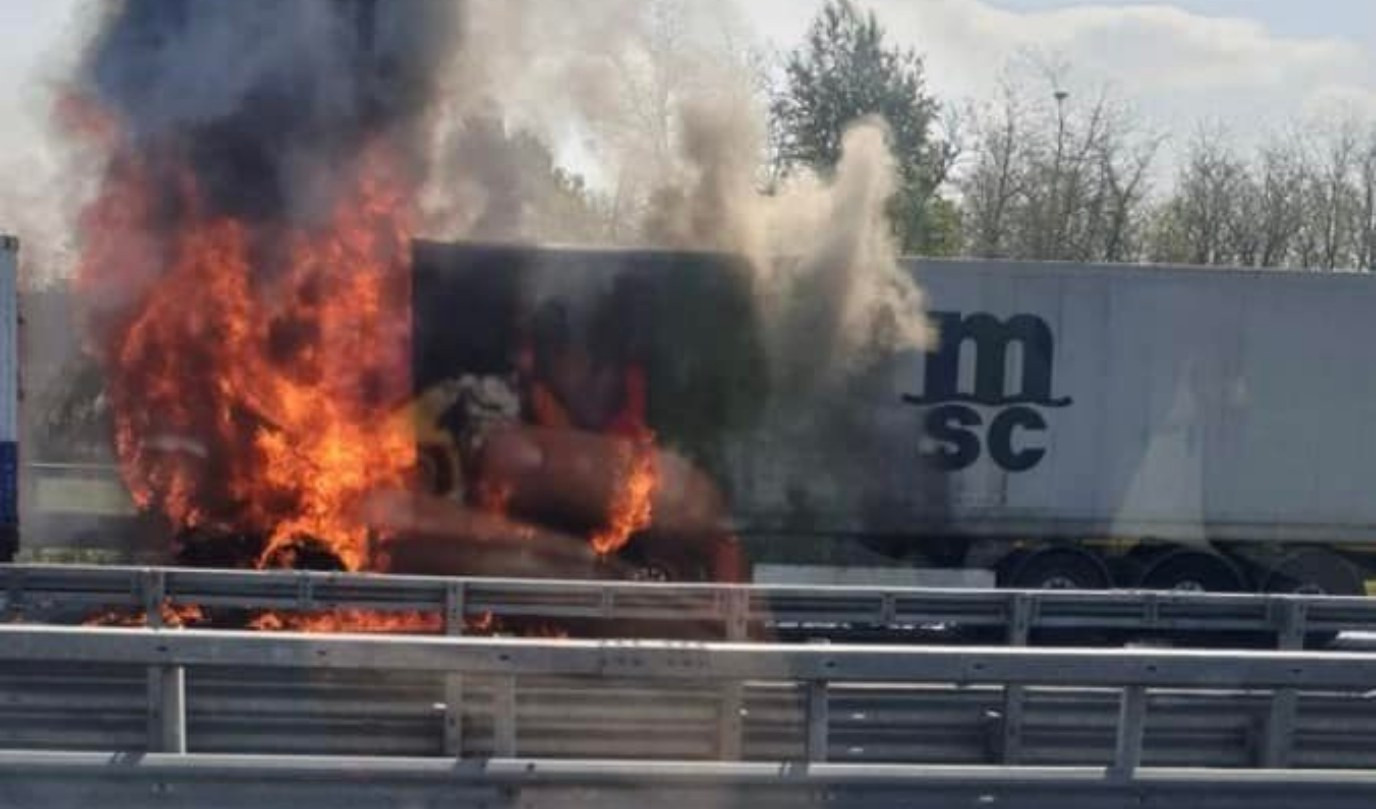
(1060, 569)
(1192, 571)
(652, 570)
(1314, 571)
(641, 567)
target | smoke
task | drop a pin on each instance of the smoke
(265, 98)
(657, 106)
(827, 269)
(710, 201)
(664, 103)
(847, 281)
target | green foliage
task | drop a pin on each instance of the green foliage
(844, 72)
(943, 234)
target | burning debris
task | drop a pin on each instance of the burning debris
(169, 614)
(632, 504)
(362, 621)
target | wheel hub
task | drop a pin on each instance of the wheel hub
(1059, 583)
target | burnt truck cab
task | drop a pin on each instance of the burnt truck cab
(586, 397)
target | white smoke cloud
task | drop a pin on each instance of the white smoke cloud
(666, 96)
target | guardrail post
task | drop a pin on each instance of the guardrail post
(736, 615)
(888, 610)
(153, 584)
(504, 716)
(817, 721)
(1151, 610)
(729, 728)
(305, 591)
(732, 702)
(14, 599)
(166, 684)
(1019, 627)
(1280, 719)
(455, 598)
(166, 709)
(1132, 726)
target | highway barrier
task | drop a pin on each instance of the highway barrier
(551, 722)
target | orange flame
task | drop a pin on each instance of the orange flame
(350, 620)
(254, 363)
(631, 506)
(367, 621)
(173, 615)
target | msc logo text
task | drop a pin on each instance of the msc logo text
(955, 428)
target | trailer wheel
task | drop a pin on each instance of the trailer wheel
(1060, 569)
(1192, 571)
(667, 569)
(652, 570)
(1315, 571)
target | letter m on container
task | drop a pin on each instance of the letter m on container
(954, 422)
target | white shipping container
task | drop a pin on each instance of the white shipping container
(1071, 401)
(1182, 404)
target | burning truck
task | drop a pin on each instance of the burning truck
(602, 412)
(568, 414)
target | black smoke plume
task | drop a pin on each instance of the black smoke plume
(265, 98)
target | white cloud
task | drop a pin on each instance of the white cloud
(1175, 66)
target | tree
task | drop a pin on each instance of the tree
(1305, 200)
(1206, 219)
(1365, 217)
(1054, 179)
(843, 72)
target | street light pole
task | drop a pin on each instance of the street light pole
(1058, 232)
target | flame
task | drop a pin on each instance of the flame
(254, 362)
(173, 615)
(631, 506)
(350, 620)
(368, 621)
(547, 631)
(485, 622)
(363, 621)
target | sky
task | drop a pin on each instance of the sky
(1250, 66)
(1245, 65)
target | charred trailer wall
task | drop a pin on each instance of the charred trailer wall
(578, 346)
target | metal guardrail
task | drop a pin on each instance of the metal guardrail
(45, 592)
(175, 763)
(247, 711)
(78, 781)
